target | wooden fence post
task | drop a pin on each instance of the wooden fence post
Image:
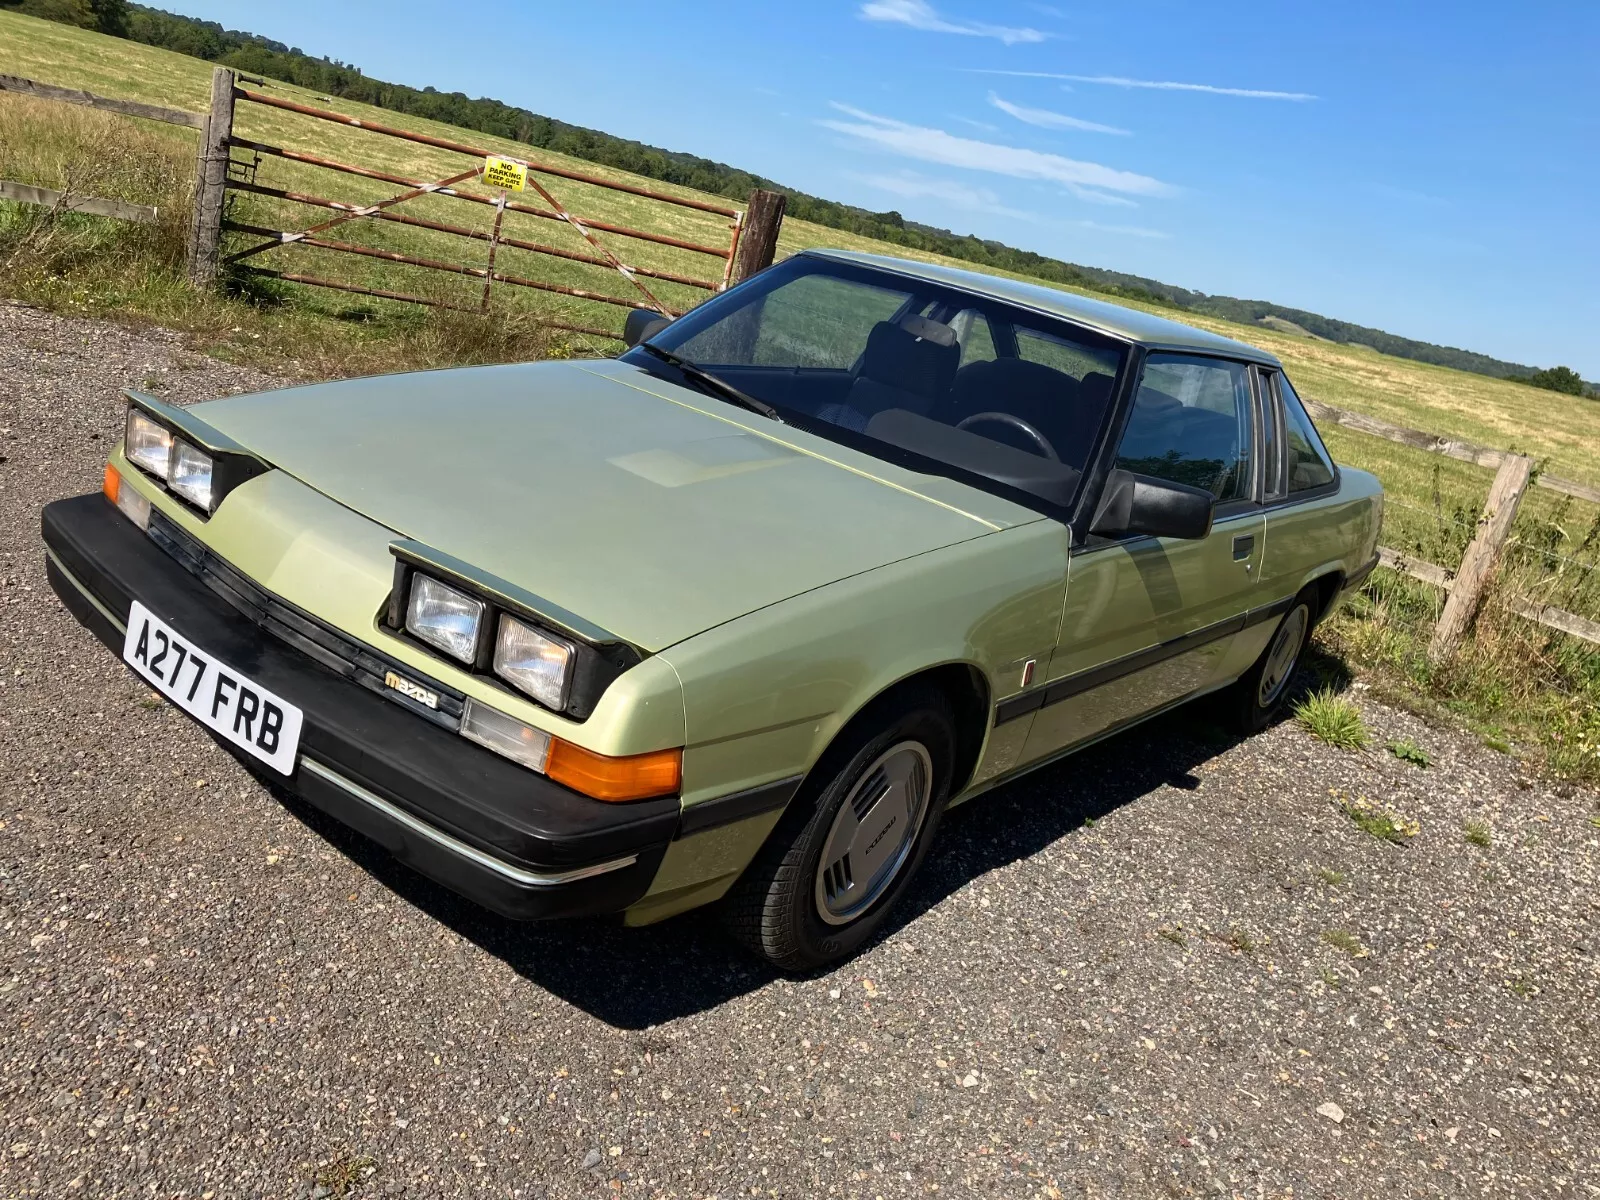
(763, 218)
(1483, 554)
(211, 181)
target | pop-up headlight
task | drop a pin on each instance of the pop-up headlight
(445, 618)
(192, 472)
(533, 662)
(148, 444)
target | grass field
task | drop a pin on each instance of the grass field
(1529, 683)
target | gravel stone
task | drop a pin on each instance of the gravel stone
(1127, 953)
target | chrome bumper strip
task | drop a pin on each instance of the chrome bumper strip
(439, 838)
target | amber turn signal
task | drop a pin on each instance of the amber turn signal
(636, 777)
(112, 483)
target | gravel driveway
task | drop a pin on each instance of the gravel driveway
(1171, 966)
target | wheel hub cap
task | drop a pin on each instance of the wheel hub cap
(1285, 652)
(874, 832)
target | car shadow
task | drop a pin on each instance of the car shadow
(636, 978)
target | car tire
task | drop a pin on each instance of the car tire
(1260, 693)
(799, 904)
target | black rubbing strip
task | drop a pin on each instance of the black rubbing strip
(724, 810)
(1083, 681)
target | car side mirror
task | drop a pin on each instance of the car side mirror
(1158, 507)
(642, 324)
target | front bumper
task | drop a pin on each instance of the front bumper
(502, 836)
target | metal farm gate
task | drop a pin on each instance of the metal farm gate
(664, 268)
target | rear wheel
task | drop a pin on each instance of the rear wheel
(1260, 694)
(850, 843)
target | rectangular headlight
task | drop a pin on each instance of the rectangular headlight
(445, 618)
(147, 444)
(533, 662)
(192, 473)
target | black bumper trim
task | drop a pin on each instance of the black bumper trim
(99, 562)
(725, 810)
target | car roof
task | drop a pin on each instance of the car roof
(1129, 324)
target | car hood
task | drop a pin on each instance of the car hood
(647, 509)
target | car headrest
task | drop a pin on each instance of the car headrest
(901, 358)
(933, 331)
(1011, 385)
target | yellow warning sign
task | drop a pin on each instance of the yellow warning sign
(505, 173)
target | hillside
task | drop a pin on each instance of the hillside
(256, 54)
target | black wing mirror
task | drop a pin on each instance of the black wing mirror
(1141, 504)
(642, 324)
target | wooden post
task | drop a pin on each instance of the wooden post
(211, 181)
(758, 242)
(1483, 554)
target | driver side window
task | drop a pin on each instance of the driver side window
(1191, 423)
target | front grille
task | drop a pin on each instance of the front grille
(293, 625)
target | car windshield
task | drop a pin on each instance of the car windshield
(920, 373)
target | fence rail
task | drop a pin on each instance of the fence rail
(27, 193)
(1432, 443)
(128, 108)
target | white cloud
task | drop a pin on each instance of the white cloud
(957, 195)
(919, 14)
(1125, 230)
(1160, 85)
(1090, 196)
(1046, 119)
(937, 146)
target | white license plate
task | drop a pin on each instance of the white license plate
(213, 693)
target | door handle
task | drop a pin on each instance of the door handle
(1243, 546)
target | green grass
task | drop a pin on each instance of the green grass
(1332, 718)
(1407, 750)
(1379, 822)
(1477, 833)
(1330, 877)
(1343, 939)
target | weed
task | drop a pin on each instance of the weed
(1175, 936)
(1595, 821)
(1477, 833)
(344, 1172)
(1380, 822)
(1330, 977)
(1333, 719)
(1343, 939)
(1407, 750)
(1497, 743)
(1520, 988)
(1241, 941)
(1329, 876)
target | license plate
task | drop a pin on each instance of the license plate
(222, 699)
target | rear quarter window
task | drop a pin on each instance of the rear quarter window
(1310, 467)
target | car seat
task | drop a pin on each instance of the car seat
(906, 365)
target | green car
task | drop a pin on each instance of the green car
(736, 616)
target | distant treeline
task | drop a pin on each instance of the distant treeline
(257, 55)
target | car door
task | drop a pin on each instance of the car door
(1301, 541)
(1149, 621)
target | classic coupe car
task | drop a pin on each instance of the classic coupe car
(736, 616)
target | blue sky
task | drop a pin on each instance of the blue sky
(1429, 169)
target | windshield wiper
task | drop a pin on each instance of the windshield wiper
(712, 383)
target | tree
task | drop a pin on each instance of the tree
(1558, 379)
(106, 16)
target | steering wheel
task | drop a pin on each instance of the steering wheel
(1017, 423)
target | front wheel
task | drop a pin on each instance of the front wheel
(1260, 694)
(853, 838)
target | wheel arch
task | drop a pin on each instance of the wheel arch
(964, 686)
